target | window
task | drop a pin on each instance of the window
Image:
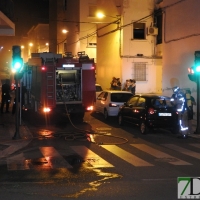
(65, 47)
(140, 71)
(91, 41)
(120, 97)
(139, 31)
(133, 101)
(92, 10)
(141, 102)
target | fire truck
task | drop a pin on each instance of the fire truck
(59, 84)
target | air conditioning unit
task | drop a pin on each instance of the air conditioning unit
(152, 31)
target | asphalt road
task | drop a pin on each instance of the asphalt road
(97, 159)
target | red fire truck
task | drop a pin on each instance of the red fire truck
(57, 84)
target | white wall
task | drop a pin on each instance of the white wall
(134, 11)
(181, 35)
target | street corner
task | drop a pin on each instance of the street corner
(25, 133)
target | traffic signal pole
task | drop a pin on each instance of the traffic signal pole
(17, 68)
(16, 135)
(198, 105)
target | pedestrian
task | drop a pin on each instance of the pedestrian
(5, 96)
(133, 86)
(115, 84)
(126, 85)
(178, 100)
(190, 103)
(118, 84)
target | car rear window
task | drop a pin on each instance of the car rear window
(120, 97)
(161, 102)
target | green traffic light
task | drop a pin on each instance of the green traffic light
(17, 65)
(198, 68)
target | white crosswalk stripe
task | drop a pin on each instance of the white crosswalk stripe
(54, 159)
(160, 155)
(128, 157)
(183, 150)
(50, 157)
(90, 157)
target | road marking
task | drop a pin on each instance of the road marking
(90, 157)
(17, 162)
(183, 150)
(53, 157)
(13, 147)
(160, 155)
(128, 157)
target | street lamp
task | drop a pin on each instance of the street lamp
(100, 15)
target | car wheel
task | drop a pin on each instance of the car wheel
(143, 128)
(105, 114)
(120, 120)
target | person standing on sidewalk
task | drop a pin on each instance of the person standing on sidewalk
(5, 98)
(190, 103)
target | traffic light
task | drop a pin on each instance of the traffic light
(197, 61)
(191, 74)
(17, 61)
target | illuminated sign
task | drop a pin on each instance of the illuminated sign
(68, 65)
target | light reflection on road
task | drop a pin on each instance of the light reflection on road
(93, 186)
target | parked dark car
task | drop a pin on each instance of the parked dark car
(149, 111)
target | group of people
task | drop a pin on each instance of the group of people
(130, 85)
(183, 103)
(6, 98)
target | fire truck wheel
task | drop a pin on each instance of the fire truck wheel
(105, 114)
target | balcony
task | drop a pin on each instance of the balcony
(7, 27)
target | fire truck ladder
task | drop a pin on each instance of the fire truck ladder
(50, 89)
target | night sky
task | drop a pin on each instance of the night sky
(28, 13)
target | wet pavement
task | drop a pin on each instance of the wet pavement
(24, 137)
(8, 144)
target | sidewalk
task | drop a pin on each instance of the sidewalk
(8, 128)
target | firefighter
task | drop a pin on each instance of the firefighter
(178, 99)
(5, 96)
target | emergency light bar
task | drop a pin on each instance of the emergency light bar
(68, 65)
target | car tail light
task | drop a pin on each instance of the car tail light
(89, 108)
(112, 105)
(151, 111)
(46, 110)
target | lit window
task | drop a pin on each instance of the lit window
(139, 31)
(140, 71)
(65, 47)
(92, 41)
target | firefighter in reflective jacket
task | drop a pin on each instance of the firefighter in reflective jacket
(178, 99)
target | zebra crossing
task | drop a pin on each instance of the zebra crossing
(50, 157)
